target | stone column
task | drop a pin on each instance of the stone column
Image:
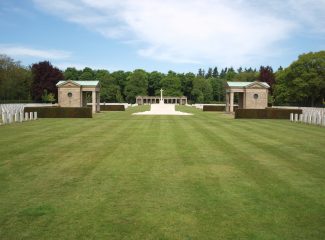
(231, 102)
(93, 103)
(227, 102)
(98, 102)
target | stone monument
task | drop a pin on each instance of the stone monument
(162, 108)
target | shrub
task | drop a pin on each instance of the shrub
(267, 113)
(61, 112)
(112, 108)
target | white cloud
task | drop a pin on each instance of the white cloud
(190, 31)
(20, 51)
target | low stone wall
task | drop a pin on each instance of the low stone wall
(268, 113)
(61, 112)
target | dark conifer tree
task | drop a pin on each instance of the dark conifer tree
(215, 72)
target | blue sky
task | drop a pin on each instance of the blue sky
(178, 35)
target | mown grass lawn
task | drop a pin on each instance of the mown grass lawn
(119, 176)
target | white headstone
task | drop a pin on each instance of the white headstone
(4, 118)
(21, 114)
(310, 118)
(35, 115)
(16, 116)
(291, 117)
(305, 117)
(31, 116)
(314, 118)
(296, 117)
(10, 118)
(26, 116)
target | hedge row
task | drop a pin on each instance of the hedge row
(61, 112)
(212, 108)
(112, 108)
(268, 113)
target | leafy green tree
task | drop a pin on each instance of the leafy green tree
(100, 74)
(202, 90)
(171, 84)
(230, 74)
(303, 82)
(247, 76)
(120, 79)
(87, 74)
(187, 85)
(109, 91)
(154, 79)
(218, 89)
(15, 80)
(48, 97)
(71, 73)
(137, 84)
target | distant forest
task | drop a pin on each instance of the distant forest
(302, 83)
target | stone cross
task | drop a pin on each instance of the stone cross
(161, 94)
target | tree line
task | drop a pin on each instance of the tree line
(302, 83)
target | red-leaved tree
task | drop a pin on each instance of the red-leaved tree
(266, 75)
(45, 78)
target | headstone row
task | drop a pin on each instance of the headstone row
(19, 116)
(315, 118)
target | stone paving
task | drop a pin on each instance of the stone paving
(162, 109)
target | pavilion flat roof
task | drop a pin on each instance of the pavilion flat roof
(245, 84)
(81, 83)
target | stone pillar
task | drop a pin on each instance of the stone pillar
(98, 102)
(227, 102)
(93, 103)
(231, 102)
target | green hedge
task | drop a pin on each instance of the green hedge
(268, 113)
(211, 108)
(61, 112)
(112, 107)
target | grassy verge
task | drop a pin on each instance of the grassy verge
(119, 176)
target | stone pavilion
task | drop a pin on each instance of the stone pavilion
(251, 95)
(72, 93)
